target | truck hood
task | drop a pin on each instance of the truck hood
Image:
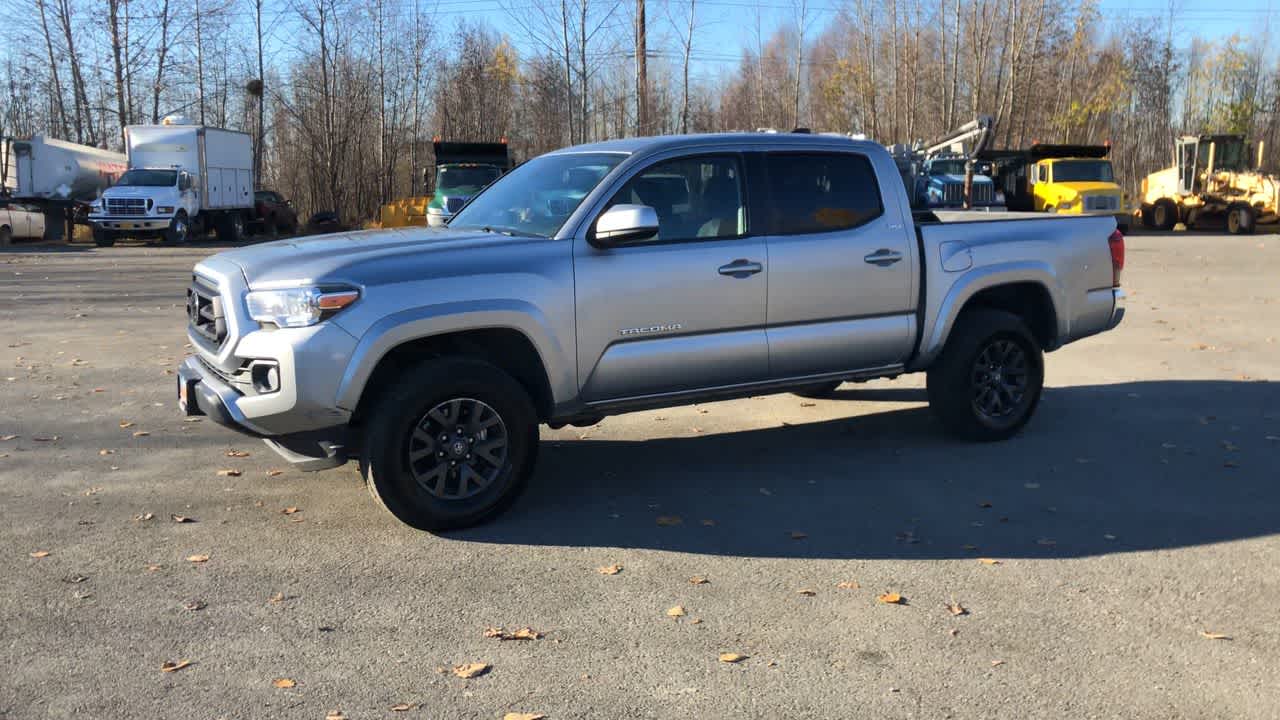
(950, 179)
(369, 257)
(137, 191)
(1090, 187)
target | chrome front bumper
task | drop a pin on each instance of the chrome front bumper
(129, 222)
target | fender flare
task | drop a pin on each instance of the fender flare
(444, 318)
(938, 329)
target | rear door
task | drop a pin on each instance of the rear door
(684, 310)
(842, 266)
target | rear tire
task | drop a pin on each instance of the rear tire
(819, 391)
(1164, 215)
(986, 384)
(6, 237)
(231, 228)
(103, 238)
(490, 444)
(1148, 217)
(1241, 219)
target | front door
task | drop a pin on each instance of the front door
(683, 310)
(842, 266)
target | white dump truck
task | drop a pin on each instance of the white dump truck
(49, 177)
(183, 181)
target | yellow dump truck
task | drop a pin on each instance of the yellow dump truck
(1211, 175)
(1063, 179)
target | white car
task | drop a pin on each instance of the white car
(19, 221)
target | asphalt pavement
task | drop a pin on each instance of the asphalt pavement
(1118, 559)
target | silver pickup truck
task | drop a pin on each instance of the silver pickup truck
(625, 275)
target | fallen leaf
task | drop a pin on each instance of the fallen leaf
(524, 633)
(669, 520)
(807, 592)
(45, 438)
(956, 608)
(229, 472)
(75, 579)
(143, 517)
(997, 663)
(182, 519)
(1214, 635)
(335, 715)
(988, 561)
(141, 433)
(197, 558)
(39, 554)
(470, 670)
(106, 452)
(696, 621)
(125, 424)
(273, 473)
(613, 569)
(237, 454)
(289, 510)
(732, 657)
(277, 598)
(698, 580)
(891, 598)
(7, 438)
(675, 612)
(402, 707)
(848, 585)
(523, 716)
(283, 683)
(194, 605)
(169, 667)
(154, 568)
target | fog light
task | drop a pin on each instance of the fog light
(265, 377)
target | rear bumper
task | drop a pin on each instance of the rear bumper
(1117, 307)
(202, 393)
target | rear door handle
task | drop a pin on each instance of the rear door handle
(741, 268)
(884, 257)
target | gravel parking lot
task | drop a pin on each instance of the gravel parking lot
(1117, 560)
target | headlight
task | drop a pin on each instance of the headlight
(297, 307)
(435, 211)
(165, 209)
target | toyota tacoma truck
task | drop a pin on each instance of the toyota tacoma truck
(627, 275)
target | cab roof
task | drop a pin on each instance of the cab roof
(659, 143)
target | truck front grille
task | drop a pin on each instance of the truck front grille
(982, 193)
(204, 311)
(1101, 202)
(454, 204)
(126, 206)
(953, 193)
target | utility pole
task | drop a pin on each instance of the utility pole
(642, 79)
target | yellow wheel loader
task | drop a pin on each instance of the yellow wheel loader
(1211, 175)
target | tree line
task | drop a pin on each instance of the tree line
(343, 97)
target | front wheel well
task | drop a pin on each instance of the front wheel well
(1028, 300)
(507, 349)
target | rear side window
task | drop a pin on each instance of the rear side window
(821, 192)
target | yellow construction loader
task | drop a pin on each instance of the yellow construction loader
(1211, 175)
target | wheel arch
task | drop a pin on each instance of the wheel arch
(509, 338)
(1029, 290)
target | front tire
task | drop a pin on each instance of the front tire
(1164, 215)
(449, 445)
(231, 228)
(1241, 219)
(179, 230)
(986, 384)
(6, 236)
(103, 238)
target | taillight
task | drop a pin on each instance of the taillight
(1116, 243)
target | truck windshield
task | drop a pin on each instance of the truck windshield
(455, 177)
(537, 197)
(149, 178)
(946, 167)
(1065, 171)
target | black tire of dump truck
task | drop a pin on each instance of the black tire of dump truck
(103, 238)
(1164, 215)
(231, 227)
(1241, 219)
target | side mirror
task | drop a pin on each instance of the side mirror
(184, 181)
(623, 224)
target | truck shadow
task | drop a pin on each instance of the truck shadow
(1101, 469)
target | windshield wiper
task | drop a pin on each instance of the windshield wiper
(509, 232)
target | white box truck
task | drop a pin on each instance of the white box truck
(183, 180)
(49, 177)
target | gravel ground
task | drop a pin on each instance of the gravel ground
(1096, 556)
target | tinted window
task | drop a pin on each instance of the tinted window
(812, 192)
(695, 198)
(1083, 171)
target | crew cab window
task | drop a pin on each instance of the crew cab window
(696, 198)
(820, 192)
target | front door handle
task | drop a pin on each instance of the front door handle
(884, 257)
(741, 268)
